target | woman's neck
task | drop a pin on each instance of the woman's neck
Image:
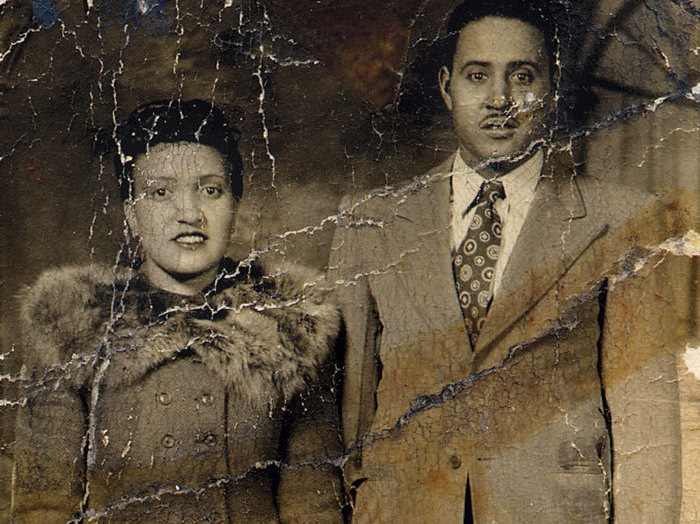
(178, 284)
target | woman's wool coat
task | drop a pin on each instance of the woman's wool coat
(144, 406)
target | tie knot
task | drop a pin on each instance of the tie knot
(492, 190)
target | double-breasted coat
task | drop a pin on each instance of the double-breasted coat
(144, 406)
(566, 409)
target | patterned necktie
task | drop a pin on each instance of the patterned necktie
(475, 260)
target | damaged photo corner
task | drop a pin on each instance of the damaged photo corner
(427, 261)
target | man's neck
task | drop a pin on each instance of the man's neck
(497, 167)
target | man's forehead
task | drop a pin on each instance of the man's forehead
(500, 40)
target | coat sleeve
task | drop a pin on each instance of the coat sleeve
(310, 487)
(359, 341)
(49, 469)
(643, 330)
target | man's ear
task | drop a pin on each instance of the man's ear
(444, 81)
(130, 214)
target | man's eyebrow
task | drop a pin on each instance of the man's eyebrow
(521, 63)
(512, 65)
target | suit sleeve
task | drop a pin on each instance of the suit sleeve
(643, 330)
(49, 469)
(360, 335)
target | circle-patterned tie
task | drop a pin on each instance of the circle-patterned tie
(474, 262)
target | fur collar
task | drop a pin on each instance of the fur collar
(266, 335)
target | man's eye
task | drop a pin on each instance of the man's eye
(212, 191)
(477, 77)
(523, 78)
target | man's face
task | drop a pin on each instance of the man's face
(182, 211)
(498, 88)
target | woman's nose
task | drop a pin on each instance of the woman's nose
(189, 209)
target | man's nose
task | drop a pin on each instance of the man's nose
(500, 97)
(189, 209)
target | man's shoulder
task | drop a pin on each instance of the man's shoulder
(383, 202)
(624, 209)
(613, 199)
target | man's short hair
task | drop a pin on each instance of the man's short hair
(168, 121)
(538, 14)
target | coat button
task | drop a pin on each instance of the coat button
(168, 441)
(210, 440)
(455, 462)
(164, 398)
(207, 399)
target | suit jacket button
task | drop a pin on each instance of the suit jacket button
(164, 398)
(210, 440)
(207, 399)
(168, 441)
(455, 462)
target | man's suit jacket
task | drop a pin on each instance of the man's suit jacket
(566, 409)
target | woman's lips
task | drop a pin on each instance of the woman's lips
(190, 239)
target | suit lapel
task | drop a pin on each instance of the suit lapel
(555, 234)
(419, 237)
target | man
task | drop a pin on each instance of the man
(504, 360)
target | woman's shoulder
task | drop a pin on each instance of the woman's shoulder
(64, 307)
(284, 326)
(287, 292)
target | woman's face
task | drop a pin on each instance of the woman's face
(182, 212)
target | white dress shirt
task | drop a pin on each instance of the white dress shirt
(519, 186)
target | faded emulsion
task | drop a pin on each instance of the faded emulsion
(349, 261)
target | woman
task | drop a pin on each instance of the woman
(190, 389)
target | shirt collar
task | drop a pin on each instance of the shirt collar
(518, 184)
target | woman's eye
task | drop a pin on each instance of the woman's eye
(212, 191)
(160, 193)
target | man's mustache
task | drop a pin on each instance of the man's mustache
(513, 116)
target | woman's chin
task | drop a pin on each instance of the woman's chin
(164, 276)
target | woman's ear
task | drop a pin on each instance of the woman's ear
(444, 81)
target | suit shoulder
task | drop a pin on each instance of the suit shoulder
(614, 201)
(383, 201)
(634, 217)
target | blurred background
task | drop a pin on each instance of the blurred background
(331, 97)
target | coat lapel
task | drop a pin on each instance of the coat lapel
(418, 241)
(556, 233)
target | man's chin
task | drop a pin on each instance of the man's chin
(506, 159)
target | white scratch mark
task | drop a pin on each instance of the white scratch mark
(126, 450)
(261, 112)
(687, 245)
(663, 139)
(18, 42)
(692, 359)
(695, 92)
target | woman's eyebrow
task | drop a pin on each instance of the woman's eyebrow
(474, 63)
(155, 179)
(210, 177)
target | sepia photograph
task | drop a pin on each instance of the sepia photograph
(430, 261)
